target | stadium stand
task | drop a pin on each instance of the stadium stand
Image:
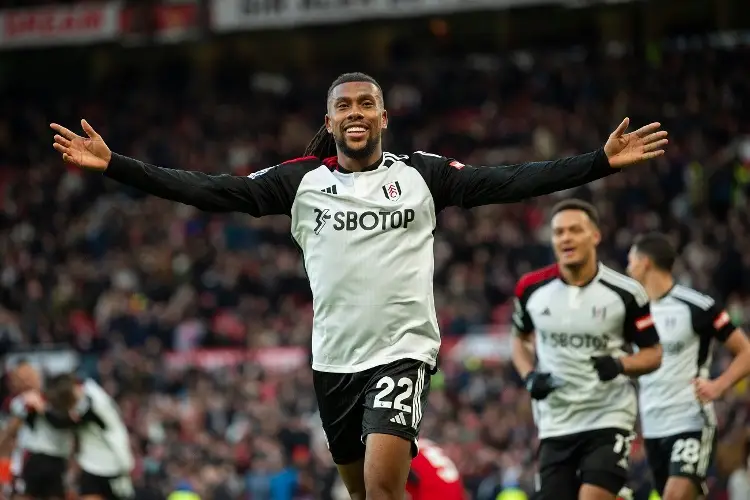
(199, 324)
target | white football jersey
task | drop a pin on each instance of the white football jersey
(104, 445)
(688, 322)
(571, 325)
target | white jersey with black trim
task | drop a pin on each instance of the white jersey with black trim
(366, 237)
(36, 435)
(103, 442)
(571, 325)
(688, 322)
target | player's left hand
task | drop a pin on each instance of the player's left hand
(708, 390)
(607, 367)
(646, 143)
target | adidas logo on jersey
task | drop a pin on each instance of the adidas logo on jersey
(399, 419)
(329, 190)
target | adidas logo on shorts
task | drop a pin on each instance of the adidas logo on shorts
(399, 419)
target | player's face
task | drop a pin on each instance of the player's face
(356, 118)
(574, 238)
(637, 265)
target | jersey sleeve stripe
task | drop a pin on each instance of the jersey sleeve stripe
(627, 284)
(535, 277)
(693, 297)
(300, 159)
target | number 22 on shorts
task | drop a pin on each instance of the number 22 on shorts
(387, 385)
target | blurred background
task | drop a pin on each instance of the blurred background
(199, 324)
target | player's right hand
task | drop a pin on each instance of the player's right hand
(89, 153)
(540, 384)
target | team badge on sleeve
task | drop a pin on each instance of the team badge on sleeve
(457, 164)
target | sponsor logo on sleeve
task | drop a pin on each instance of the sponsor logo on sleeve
(644, 322)
(721, 320)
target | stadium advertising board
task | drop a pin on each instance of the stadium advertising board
(237, 15)
(74, 24)
(48, 361)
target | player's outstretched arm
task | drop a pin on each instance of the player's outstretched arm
(468, 186)
(258, 196)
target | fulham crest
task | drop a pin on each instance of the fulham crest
(392, 191)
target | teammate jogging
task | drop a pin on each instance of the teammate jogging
(39, 460)
(677, 416)
(364, 221)
(103, 454)
(582, 315)
(433, 475)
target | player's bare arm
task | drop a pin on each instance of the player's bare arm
(739, 368)
(19, 408)
(646, 360)
(8, 435)
(522, 353)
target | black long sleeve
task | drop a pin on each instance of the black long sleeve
(455, 184)
(266, 192)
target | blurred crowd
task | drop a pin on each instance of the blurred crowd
(125, 278)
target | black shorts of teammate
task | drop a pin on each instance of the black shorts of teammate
(598, 457)
(42, 477)
(108, 488)
(388, 399)
(688, 454)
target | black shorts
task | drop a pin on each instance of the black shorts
(388, 399)
(598, 457)
(109, 488)
(688, 454)
(43, 476)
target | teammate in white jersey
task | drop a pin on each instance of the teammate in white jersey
(104, 455)
(39, 459)
(582, 316)
(364, 220)
(677, 416)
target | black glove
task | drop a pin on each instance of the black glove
(539, 384)
(607, 367)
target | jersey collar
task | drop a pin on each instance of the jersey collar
(593, 278)
(333, 164)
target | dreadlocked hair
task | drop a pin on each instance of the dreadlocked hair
(323, 144)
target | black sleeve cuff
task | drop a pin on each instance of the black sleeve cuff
(120, 166)
(601, 163)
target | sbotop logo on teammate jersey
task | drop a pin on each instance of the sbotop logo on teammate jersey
(382, 220)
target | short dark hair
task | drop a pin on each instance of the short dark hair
(577, 204)
(658, 248)
(60, 391)
(323, 145)
(353, 77)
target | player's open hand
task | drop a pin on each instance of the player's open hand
(89, 153)
(646, 143)
(707, 390)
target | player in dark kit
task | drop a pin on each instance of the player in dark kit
(676, 401)
(582, 316)
(364, 220)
